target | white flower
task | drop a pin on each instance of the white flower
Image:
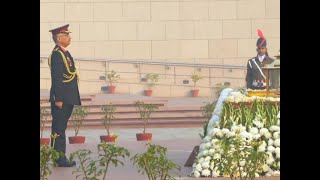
(268, 174)
(207, 159)
(256, 174)
(207, 139)
(277, 143)
(208, 145)
(276, 173)
(225, 130)
(215, 173)
(211, 151)
(213, 141)
(198, 167)
(277, 150)
(275, 128)
(262, 148)
(278, 116)
(276, 135)
(243, 174)
(278, 122)
(232, 149)
(215, 130)
(216, 147)
(270, 142)
(196, 174)
(230, 134)
(242, 163)
(216, 156)
(254, 130)
(205, 172)
(205, 165)
(270, 161)
(267, 135)
(201, 160)
(263, 131)
(278, 155)
(265, 168)
(205, 152)
(269, 154)
(256, 136)
(279, 164)
(259, 124)
(219, 134)
(244, 134)
(271, 149)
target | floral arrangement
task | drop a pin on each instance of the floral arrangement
(243, 142)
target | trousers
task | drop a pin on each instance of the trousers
(60, 117)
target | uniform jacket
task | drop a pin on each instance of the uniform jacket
(64, 83)
(253, 72)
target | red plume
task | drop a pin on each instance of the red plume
(260, 34)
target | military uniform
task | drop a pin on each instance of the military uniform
(64, 88)
(256, 76)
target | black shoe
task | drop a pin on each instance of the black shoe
(65, 163)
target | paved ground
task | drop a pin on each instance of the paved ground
(179, 141)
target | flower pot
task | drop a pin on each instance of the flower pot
(195, 92)
(111, 89)
(148, 92)
(107, 138)
(144, 136)
(44, 141)
(77, 139)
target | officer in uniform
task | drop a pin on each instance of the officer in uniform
(64, 92)
(256, 78)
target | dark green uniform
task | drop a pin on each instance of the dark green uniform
(64, 88)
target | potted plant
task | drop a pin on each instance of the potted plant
(154, 163)
(112, 77)
(78, 115)
(107, 118)
(195, 78)
(145, 111)
(94, 169)
(43, 120)
(151, 79)
(48, 157)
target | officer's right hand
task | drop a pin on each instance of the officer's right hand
(59, 104)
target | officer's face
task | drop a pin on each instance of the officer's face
(64, 39)
(262, 50)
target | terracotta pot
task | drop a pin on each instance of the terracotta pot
(77, 139)
(195, 92)
(111, 89)
(144, 136)
(107, 139)
(148, 92)
(44, 141)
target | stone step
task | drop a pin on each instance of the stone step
(136, 115)
(131, 109)
(198, 122)
(114, 103)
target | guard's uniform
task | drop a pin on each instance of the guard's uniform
(64, 88)
(256, 76)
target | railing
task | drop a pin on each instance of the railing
(175, 76)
